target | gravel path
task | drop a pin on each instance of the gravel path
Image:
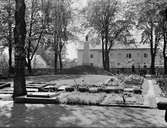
(149, 98)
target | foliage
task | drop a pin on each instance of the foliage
(5, 18)
(146, 14)
(104, 17)
(59, 17)
(36, 28)
(7, 25)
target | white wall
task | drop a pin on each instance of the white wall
(119, 59)
(97, 58)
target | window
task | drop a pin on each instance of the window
(118, 64)
(145, 55)
(91, 56)
(145, 66)
(91, 64)
(119, 54)
(129, 55)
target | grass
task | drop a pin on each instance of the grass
(77, 70)
(81, 98)
(73, 70)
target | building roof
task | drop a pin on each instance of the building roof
(117, 47)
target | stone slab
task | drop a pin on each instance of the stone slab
(4, 85)
(42, 94)
(36, 100)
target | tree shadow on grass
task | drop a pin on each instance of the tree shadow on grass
(42, 115)
(36, 115)
(119, 117)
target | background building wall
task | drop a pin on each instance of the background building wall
(122, 58)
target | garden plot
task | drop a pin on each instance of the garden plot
(112, 90)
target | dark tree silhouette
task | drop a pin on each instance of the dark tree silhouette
(19, 36)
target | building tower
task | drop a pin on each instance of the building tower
(86, 51)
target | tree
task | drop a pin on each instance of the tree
(147, 17)
(19, 36)
(102, 15)
(7, 27)
(59, 17)
(163, 26)
(36, 26)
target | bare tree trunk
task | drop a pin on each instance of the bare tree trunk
(107, 65)
(10, 49)
(165, 65)
(164, 47)
(56, 58)
(60, 55)
(152, 67)
(107, 61)
(152, 70)
(29, 66)
(56, 52)
(29, 40)
(60, 62)
(10, 38)
(103, 55)
(19, 35)
(28, 57)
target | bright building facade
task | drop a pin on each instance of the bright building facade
(120, 57)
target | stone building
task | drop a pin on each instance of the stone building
(121, 56)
